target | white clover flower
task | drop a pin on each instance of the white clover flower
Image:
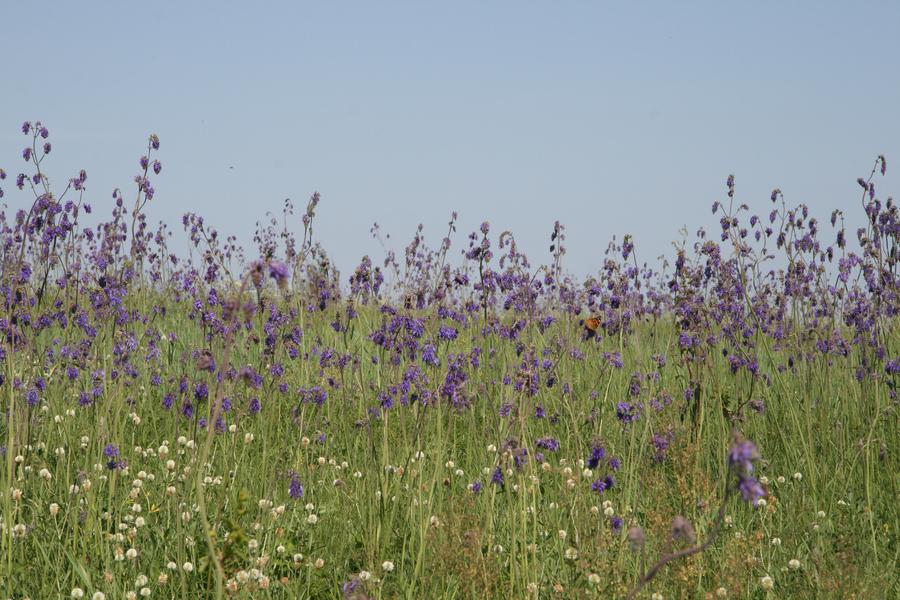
(721, 592)
(312, 519)
(821, 514)
(171, 566)
(131, 554)
(793, 564)
(776, 541)
(781, 479)
(77, 593)
(319, 563)
(248, 437)
(98, 596)
(593, 579)
(562, 534)
(141, 581)
(387, 566)
(571, 553)
(45, 475)
(252, 545)
(767, 583)
(798, 476)
(54, 509)
(491, 448)
(188, 567)
(145, 592)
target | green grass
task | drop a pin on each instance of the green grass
(376, 499)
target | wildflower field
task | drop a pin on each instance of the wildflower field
(452, 421)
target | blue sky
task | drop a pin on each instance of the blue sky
(610, 117)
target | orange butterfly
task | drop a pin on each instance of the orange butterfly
(591, 324)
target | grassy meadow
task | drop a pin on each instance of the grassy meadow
(443, 424)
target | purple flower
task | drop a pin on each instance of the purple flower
(295, 489)
(279, 272)
(615, 523)
(497, 477)
(548, 443)
(751, 490)
(742, 455)
(447, 333)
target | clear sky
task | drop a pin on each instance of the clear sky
(611, 117)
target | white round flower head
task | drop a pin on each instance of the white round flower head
(571, 553)
(656, 596)
(721, 592)
(387, 566)
(609, 511)
(798, 476)
(141, 581)
(312, 519)
(188, 567)
(562, 534)
(766, 583)
(821, 514)
(98, 596)
(319, 563)
(145, 592)
(593, 579)
(171, 566)
(365, 575)
(77, 593)
(776, 541)
(761, 503)
(781, 479)
(793, 564)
